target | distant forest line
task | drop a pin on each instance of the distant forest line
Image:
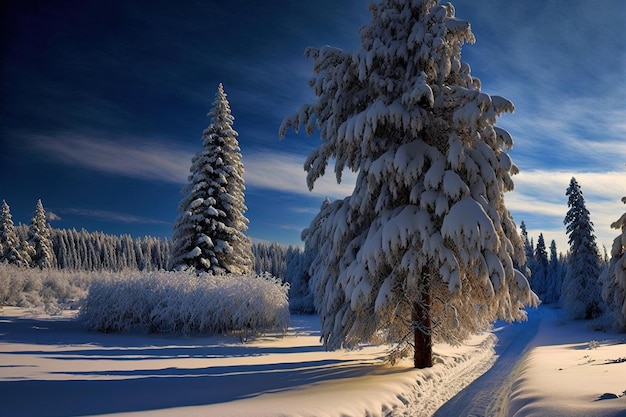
(97, 251)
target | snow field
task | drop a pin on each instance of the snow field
(74, 372)
(567, 373)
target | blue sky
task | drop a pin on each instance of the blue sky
(103, 104)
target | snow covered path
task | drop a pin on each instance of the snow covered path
(548, 367)
(476, 399)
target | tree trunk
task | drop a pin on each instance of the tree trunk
(422, 330)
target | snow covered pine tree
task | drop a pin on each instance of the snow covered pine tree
(539, 278)
(39, 240)
(424, 247)
(11, 248)
(581, 292)
(209, 231)
(555, 276)
(614, 277)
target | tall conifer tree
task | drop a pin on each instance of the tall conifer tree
(614, 277)
(209, 231)
(539, 278)
(580, 294)
(424, 247)
(39, 239)
(12, 248)
(555, 276)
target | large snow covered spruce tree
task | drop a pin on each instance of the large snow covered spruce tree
(581, 291)
(424, 247)
(614, 277)
(209, 231)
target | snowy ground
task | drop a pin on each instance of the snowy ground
(52, 367)
(571, 371)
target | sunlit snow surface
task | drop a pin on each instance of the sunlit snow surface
(53, 367)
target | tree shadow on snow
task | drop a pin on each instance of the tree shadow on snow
(152, 389)
(77, 392)
(67, 331)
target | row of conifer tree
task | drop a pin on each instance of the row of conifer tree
(94, 251)
(40, 245)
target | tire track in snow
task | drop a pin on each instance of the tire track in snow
(476, 399)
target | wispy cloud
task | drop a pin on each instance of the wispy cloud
(570, 137)
(565, 77)
(539, 198)
(142, 159)
(126, 156)
(305, 210)
(284, 172)
(114, 217)
(51, 217)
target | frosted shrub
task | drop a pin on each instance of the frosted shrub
(183, 302)
(51, 289)
(593, 344)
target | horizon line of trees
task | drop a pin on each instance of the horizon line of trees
(95, 251)
(549, 270)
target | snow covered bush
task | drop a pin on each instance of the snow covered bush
(186, 302)
(50, 289)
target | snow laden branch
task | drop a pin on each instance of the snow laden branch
(425, 243)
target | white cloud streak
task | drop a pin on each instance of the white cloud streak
(539, 199)
(52, 217)
(150, 160)
(285, 172)
(126, 156)
(114, 217)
